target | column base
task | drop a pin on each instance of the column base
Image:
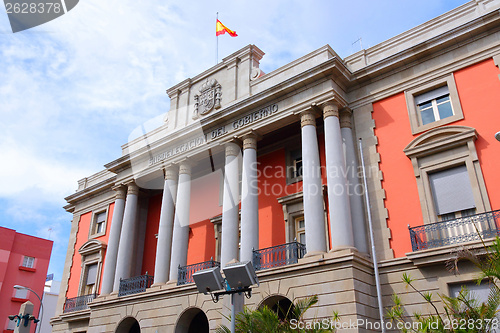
(343, 247)
(171, 283)
(314, 254)
(340, 251)
(158, 285)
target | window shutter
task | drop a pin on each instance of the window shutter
(101, 217)
(430, 95)
(451, 190)
(22, 293)
(480, 292)
(91, 274)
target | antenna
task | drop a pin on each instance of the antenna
(360, 40)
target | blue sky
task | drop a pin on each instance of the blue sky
(72, 91)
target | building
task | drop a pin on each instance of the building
(24, 261)
(49, 300)
(264, 167)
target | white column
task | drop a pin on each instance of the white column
(126, 246)
(338, 199)
(165, 230)
(249, 199)
(354, 188)
(314, 216)
(230, 205)
(108, 275)
(180, 236)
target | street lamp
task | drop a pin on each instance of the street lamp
(240, 276)
(497, 136)
(40, 312)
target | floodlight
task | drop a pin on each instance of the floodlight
(208, 280)
(497, 136)
(240, 275)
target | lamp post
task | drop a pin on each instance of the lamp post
(40, 312)
(240, 276)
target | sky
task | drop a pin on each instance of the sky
(75, 89)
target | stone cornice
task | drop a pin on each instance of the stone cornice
(320, 72)
(89, 192)
(437, 30)
(480, 28)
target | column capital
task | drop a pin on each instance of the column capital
(308, 117)
(121, 191)
(232, 148)
(330, 109)
(185, 168)
(132, 188)
(170, 172)
(345, 118)
(250, 141)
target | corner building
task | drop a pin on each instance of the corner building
(265, 167)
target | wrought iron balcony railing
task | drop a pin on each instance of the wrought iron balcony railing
(461, 230)
(277, 256)
(134, 285)
(185, 273)
(78, 303)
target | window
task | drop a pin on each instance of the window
(293, 214)
(92, 253)
(449, 178)
(29, 262)
(433, 104)
(11, 324)
(452, 193)
(91, 278)
(217, 222)
(294, 166)
(99, 223)
(480, 292)
(300, 230)
(21, 293)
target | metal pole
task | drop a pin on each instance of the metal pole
(233, 314)
(374, 254)
(216, 40)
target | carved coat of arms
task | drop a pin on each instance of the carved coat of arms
(208, 98)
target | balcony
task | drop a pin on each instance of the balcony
(457, 231)
(78, 303)
(185, 273)
(135, 285)
(277, 256)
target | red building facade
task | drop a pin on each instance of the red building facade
(24, 261)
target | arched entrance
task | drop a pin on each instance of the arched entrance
(279, 304)
(192, 320)
(128, 325)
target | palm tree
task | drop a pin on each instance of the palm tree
(265, 320)
(464, 308)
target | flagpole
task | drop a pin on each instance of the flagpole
(216, 40)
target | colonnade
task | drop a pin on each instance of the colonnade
(347, 227)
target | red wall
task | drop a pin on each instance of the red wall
(479, 91)
(13, 247)
(82, 236)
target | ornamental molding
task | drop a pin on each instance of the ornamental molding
(208, 99)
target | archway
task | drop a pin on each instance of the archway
(279, 304)
(128, 325)
(192, 320)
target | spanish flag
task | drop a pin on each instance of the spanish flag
(222, 29)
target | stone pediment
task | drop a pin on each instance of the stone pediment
(439, 139)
